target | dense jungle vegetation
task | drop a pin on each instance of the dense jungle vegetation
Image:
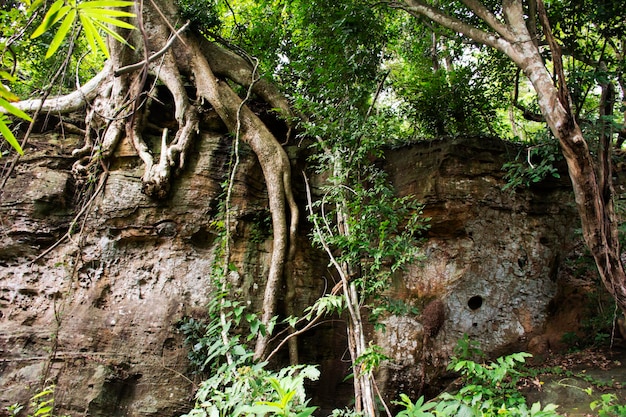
(351, 78)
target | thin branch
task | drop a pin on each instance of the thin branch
(557, 57)
(309, 326)
(419, 8)
(485, 14)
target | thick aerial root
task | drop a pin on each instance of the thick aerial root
(232, 66)
(157, 176)
(276, 170)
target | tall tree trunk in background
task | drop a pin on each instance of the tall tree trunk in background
(593, 195)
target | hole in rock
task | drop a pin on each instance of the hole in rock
(475, 302)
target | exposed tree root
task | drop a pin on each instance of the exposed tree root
(118, 108)
(70, 102)
(276, 170)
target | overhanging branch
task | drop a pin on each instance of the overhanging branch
(67, 103)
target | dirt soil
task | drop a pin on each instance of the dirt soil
(574, 380)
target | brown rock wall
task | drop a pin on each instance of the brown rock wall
(108, 301)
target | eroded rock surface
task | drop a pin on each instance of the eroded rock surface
(106, 302)
(492, 256)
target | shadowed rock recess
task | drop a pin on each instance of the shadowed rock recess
(98, 314)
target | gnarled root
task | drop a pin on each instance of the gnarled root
(157, 177)
(276, 170)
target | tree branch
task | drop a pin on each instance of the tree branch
(419, 8)
(485, 14)
(70, 102)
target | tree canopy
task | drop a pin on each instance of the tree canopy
(348, 77)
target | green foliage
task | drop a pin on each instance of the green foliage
(346, 412)
(417, 409)
(320, 52)
(533, 164)
(488, 390)
(382, 229)
(260, 227)
(41, 404)
(202, 14)
(6, 96)
(467, 348)
(94, 16)
(371, 358)
(389, 305)
(246, 388)
(442, 103)
(208, 346)
(236, 385)
(22, 53)
(327, 304)
(607, 406)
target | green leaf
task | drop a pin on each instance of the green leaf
(105, 3)
(54, 14)
(111, 33)
(44, 411)
(8, 136)
(34, 6)
(14, 110)
(59, 37)
(306, 412)
(5, 75)
(49, 390)
(113, 21)
(94, 39)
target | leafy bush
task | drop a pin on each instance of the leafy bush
(237, 385)
(245, 388)
(41, 404)
(606, 406)
(488, 390)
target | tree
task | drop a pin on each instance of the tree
(511, 28)
(198, 73)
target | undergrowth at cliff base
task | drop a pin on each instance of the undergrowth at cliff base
(487, 389)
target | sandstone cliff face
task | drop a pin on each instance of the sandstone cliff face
(492, 256)
(98, 313)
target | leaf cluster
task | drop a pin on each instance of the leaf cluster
(94, 17)
(203, 15)
(608, 406)
(6, 97)
(321, 50)
(488, 390)
(533, 163)
(41, 404)
(236, 384)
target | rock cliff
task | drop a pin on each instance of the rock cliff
(98, 312)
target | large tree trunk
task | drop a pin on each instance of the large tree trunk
(593, 189)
